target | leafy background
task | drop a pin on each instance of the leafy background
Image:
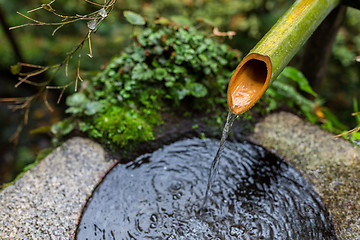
(339, 91)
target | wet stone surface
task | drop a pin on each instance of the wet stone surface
(332, 165)
(256, 195)
(45, 203)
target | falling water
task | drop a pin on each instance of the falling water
(215, 163)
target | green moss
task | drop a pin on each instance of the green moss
(41, 155)
(122, 126)
(166, 68)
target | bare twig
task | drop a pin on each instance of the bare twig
(94, 21)
(349, 132)
(96, 4)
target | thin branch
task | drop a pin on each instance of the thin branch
(29, 75)
(67, 67)
(15, 100)
(24, 80)
(78, 77)
(47, 104)
(39, 23)
(29, 65)
(350, 131)
(93, 3)
(90, 48)
(94, 21)
(35, 9)
(56, 29)
(42, 6)
(15, 137)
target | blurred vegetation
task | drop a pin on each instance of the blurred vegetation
(167, 68)
(341, 84)
(249, 19)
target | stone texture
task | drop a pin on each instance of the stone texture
(331, 164)
(46, 202)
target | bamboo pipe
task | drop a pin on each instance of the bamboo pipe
(273, 52)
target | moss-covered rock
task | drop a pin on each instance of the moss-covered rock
(167, 67)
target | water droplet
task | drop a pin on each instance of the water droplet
(154, 218)
(103, 13)
(92, 24)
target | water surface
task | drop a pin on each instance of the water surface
(158, 196)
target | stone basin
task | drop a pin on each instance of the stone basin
(47, 201)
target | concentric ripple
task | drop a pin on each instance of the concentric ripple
(255, 196)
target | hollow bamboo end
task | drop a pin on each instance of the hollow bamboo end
(249, 82)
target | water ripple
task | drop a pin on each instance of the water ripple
(255, 196)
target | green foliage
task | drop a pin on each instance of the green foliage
(168, 63)
(134, 18)
(296, 76)
(291, 88)
(249, 18)
(284, 90)
(330, 122)
(166, 67)
(15, 69)
(121, 126)
(356, 111)
(252, 19)
(342, 81)
(62, 128)
(353, 135)
(79, 104)
(342, 53)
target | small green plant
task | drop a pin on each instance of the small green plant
(284, 90)
(25, 76)
(353, 135)
(166, 68)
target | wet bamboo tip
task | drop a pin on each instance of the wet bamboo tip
(248, 82)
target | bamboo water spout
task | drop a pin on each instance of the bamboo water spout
(274, 51)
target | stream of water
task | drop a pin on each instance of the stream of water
(215, 163)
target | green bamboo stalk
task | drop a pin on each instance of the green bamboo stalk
(273, 52)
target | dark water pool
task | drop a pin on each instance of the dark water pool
(255, 196)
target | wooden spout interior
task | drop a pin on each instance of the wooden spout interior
(248, 82)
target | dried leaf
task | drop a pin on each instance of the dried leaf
(229, 34)
(162, 21)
